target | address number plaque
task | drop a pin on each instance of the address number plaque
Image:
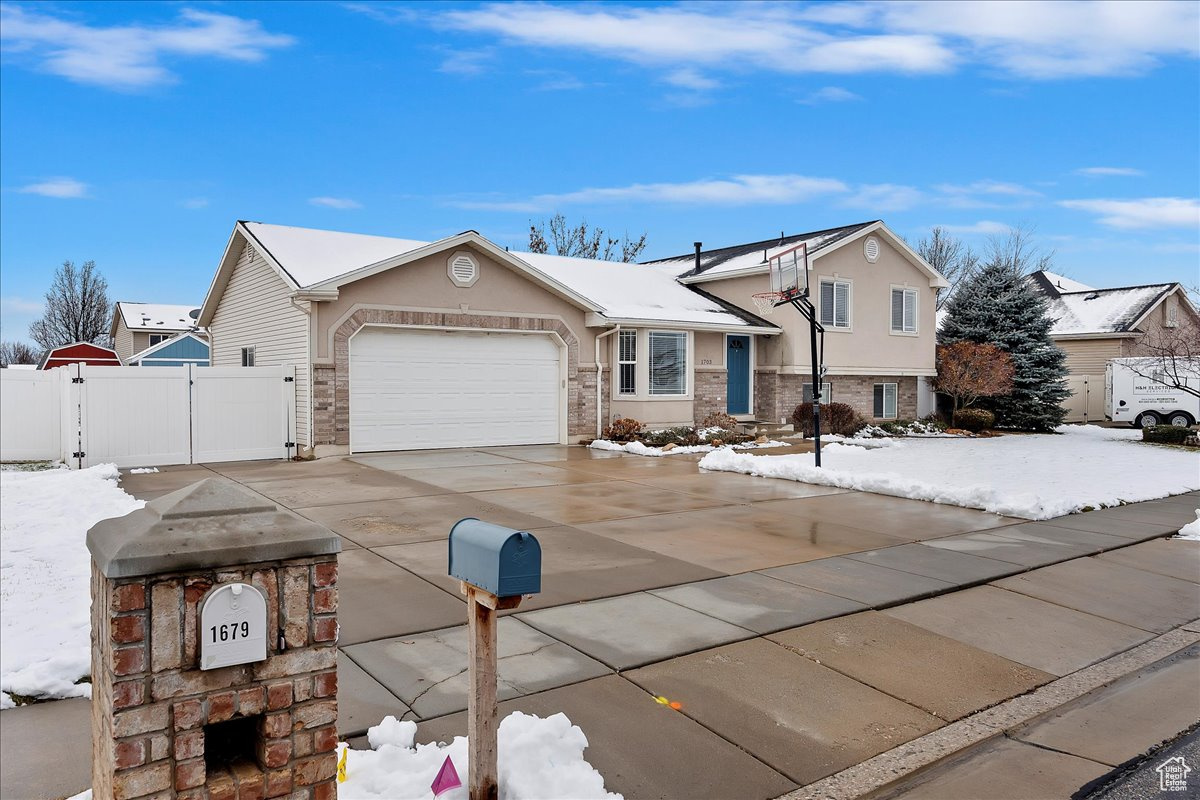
(233, 626)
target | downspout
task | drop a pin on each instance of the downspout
(600, 382)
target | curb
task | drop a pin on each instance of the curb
(900, 763)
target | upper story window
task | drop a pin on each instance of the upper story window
(904, 310)
(1172, 313)
(835, 303)
(668, 363)
(627, 362)
(247, 356)
(158, 338)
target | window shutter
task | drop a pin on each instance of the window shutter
(910, 311)
(827, 292)
(841, 309)
(897, 309)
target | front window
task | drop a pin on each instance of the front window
(806, 393)
(247, 356)
(668, 363)
(835, 304)
(885, 401)
(904, 310)
(627, 362)
(158, 338)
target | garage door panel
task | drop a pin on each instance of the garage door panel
(420, 390)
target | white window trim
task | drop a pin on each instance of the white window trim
(849, 326)
(916, 331)
(163, 337)
(617, 360)
(248, 349)
(753, 363)
(687, 367)
(895, 400)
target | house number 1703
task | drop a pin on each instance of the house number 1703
(230, 631)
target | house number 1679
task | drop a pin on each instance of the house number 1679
(230, 632)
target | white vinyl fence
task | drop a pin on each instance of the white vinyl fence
(140, 416)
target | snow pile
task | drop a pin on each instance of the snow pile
(916, 428)
(1191, 530)
(639, 449)
(1030, 476)
(537, 759)
(143, 471)
(45, 576)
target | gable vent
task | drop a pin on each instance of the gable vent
(463, 269)
(871, 249)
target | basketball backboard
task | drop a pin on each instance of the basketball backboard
(789, 270)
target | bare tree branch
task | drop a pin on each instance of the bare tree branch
(1170, 356)
(77, 308)
(17, 353)
(577, 241)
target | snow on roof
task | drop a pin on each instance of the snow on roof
(312, 256)
(624, 291)
(1103, 310)
(1065, 284)
(755, 254)
(156, 316)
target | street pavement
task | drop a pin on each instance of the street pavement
(801, 629)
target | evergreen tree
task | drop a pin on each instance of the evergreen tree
(997, 305)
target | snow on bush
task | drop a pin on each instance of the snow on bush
(639, 449)
(1191, 530)
(1035, 476)
(537, 759)
(45, 576)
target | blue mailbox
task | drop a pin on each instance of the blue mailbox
(503, 561)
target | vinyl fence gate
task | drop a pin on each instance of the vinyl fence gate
(148, 416)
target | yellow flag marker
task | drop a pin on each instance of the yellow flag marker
(342, 765)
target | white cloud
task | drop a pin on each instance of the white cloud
(130, 56)
(983, 226)
(63, 188)
(689, 78)
(1101, 172)
(1147, 212)
(19, 305)
(334, 202)
(988, 187)
(465, 62)
(196, 202)
(830, 94)
(884, 197)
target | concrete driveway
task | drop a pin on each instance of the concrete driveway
(802, 628)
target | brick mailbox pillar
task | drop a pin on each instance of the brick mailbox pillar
(212, 555)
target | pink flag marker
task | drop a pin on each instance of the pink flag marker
(447, 778)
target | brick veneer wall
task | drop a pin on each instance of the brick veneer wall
(150, 700)
(331, 409)
(776, 396)
(710, 394)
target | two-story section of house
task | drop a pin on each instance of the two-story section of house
(140, 326)
(875, 298)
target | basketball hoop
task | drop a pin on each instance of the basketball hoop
(765, 302)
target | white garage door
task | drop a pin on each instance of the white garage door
(416, 390)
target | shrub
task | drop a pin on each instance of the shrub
(682, 436)
(836, 418)
(728, 436)
(974, 419)
(1166, 434)
(719, 419)
(622, 430)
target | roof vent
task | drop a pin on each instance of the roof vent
(1092, 296)
(463, 269)
(871, 249)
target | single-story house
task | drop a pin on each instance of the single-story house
(178, 351)
(80, 353)
(138, 326)
(403, 344)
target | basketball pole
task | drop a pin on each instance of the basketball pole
(802, 304)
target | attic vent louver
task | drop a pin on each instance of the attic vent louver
(462, 268)
(871, 249)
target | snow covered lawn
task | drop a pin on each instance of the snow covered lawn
(1030, 476)
(639, 449)
(45, 576)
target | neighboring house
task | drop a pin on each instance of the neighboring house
(402, 344)
(138, 326)
(180, 350)
(874, 296)
(1093, 326)
(80, 353)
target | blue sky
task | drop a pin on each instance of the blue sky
(135, 134)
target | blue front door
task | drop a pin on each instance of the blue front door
(737, 362)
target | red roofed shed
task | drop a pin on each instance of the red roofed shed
(80, 353)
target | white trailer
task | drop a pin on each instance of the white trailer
(1138, 391)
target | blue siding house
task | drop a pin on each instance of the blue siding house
(178, 351)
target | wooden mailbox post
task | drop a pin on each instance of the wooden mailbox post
(497, 566)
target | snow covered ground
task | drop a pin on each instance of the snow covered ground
(45, 574)
(1030, 476)
(1191, 530)
(639, 449)
(537, 758)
